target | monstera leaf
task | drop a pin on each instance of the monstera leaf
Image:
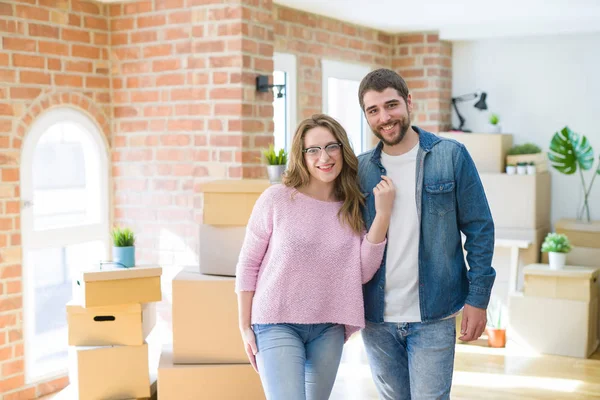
(569, 150)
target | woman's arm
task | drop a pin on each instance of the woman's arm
(245, 313)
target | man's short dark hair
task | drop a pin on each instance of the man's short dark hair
(379, 80)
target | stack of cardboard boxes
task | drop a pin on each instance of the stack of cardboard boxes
(207, 359)
(109, 319)
(557, 313)
(520, 204)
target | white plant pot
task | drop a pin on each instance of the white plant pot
(521, 169)
(494, 128)
(557, 260)
(531, 170)
(511, 169)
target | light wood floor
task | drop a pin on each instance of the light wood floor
(485, 373)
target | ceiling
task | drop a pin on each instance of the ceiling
(462, 19)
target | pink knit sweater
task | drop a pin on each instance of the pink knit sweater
(304, 264)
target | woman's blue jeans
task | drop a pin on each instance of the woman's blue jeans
(298, 361)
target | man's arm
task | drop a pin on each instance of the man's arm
(476, 223)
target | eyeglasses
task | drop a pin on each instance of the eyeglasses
(331, 149)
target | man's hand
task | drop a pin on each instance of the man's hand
(473, 324)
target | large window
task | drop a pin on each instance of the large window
(64, 177)
(284, 107)
(340, 100)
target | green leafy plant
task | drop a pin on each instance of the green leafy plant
(570, 152)
(494, 119)
(527, 148)
(275, 158)
(123, 237)
(556, 243)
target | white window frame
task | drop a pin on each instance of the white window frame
(287, 63)
(347, 71)
(61, 236)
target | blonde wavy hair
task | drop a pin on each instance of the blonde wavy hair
(346, 184)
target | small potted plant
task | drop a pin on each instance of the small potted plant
(511, 169)
(276, 163)
(123, 250)
(531, 170)
(496, 329)
(493, 124)
(521, 168)
(527, 153)
(557, 246)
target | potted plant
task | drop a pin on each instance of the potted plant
(527, 153)
(276, 163)
(493, 124)
(123, 250)
(570, 152)
(511, 169)
(521, 168)
(531, 170)
(496, 329)
(557, 246)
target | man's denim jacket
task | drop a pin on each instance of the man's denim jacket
(450, 199)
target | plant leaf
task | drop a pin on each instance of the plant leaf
(568, 150)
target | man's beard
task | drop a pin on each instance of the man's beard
(403, 124)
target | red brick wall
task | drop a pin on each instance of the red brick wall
(53, 53)
(311, 38)
(425, 62)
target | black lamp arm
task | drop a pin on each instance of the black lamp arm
(461, 119)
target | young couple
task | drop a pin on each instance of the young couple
(375, 238)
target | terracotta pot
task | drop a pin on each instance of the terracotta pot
(496, 337)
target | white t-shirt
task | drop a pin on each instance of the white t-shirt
(402, 258)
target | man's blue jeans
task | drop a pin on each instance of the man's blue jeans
(298, 361)
(411, 361)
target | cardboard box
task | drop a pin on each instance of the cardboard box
(583, 256)
(116, 286)
(571, 282)
(220, 248)
(109, 372)
(207, 381)
(518, 201)
(230, 202)
(554, 326)
(540, 160)
(127, 325)
(580, 233)
(205, 320)
(488, 150)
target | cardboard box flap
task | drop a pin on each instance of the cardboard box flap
(569, 271)
(575, 225)
(74, 308)
(113, 273)
(235, 186)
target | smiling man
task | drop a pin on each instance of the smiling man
(412, 301)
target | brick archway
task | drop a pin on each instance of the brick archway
(53, 99)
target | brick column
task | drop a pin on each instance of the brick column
(425, 62)
(186, 110)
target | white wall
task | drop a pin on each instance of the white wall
(537, 85)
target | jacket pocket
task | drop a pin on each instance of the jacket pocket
(441, 197)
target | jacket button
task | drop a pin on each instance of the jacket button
(441, 187)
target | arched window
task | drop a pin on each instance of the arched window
(65, 227)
